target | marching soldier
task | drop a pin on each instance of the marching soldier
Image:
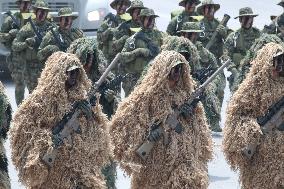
(65, 143)
(28, 40)
(105, 33)
(238, 42)
(9, 29)
(180, 155)
(208, 63)
(140, 49)
(185, 16)
(5, 118)
(59, 38)
(253, 134)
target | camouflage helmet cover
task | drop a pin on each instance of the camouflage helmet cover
(183, 2)
(41, 4)
(207, 2)
(115, 2)
(191, 27)
(147, 12)
(135, 4)
(246, 11)
(67, 11)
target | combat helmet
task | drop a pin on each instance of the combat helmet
(191, 27)
(135, 4)
(67, 11)
(115, 2)
(200, 9)
(246, 11)
(183, 2)
(41, 4)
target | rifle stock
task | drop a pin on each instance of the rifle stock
(224, 22)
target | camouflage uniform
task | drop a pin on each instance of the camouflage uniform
(237, 44)
(138, 51)
(211, 102)
(5, 118)
(272, 28)
(61, 39)
(176, 23)
(106, 31)
(26, 44)
(8, 32)
(82, 47)
(126, 28)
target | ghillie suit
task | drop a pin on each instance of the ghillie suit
(76, 165)
(251, 54)
(81, 48)
(258, 92)
(5, 118)
(198, 58)
(183, 162)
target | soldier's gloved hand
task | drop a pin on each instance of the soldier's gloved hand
(13, 32)
(86, 108)
(222, 31)
(154, 135)
(109, 95)
(30, 41)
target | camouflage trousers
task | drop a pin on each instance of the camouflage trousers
(109, 172)
(32, 73)
(130, 83)
(16, 67)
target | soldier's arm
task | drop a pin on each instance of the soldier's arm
(103, 32)
(7, 32)
(171, 29)
(118, 44)
(19, 43)
(47, 47)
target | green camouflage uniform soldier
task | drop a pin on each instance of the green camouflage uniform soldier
(140, 49)
(9, 30)
(5, 118)
(94, 63)
(208, 64)
(61, 37)
(105, 33)
(238, 42)
(127, 28)
(245, 64)
(185, 16)
(27, 43)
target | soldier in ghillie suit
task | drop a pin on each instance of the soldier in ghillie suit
(238, 42)
(185, 16)
(182, 162)
(61, 37)
(27, 44)
(8, 32)
(208, 65)
(78, 163)
(249, 144)
(105, 33)
(5, 118)
(94, 64)
(140, 49)
(127, 28)
(251, 54)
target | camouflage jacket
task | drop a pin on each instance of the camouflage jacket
(134, 60)
(27, 32)
(237, 44)
(177, 22)
(209, 28)
(9, 29)
(58, 40)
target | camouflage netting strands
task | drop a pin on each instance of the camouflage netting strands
(255, 95)
(75, 165)
(183, 162)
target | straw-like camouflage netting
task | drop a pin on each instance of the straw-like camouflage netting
(5, 116)
(31, 132)
(181, 164)
(255, 95)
